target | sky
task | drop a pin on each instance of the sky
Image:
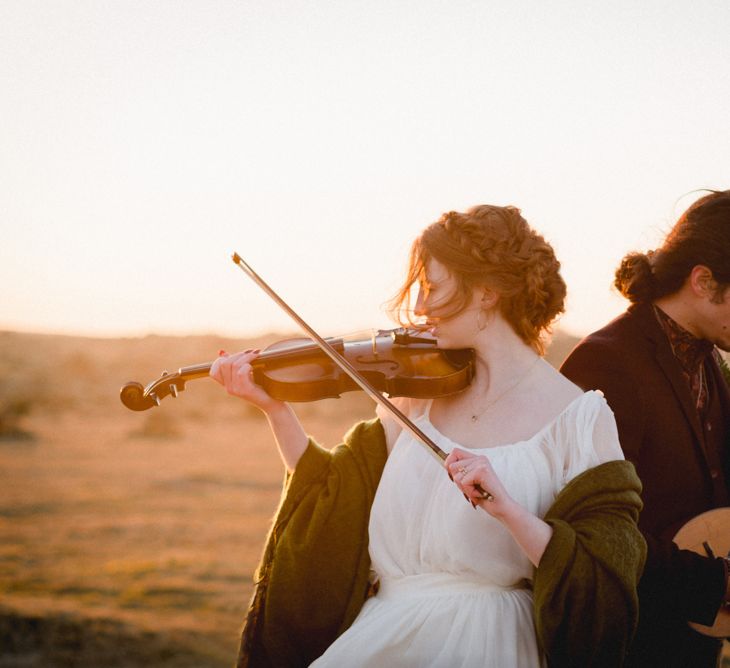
(143, 142)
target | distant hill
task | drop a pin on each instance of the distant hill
(58, 372)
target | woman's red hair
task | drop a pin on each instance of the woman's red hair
(493, 247)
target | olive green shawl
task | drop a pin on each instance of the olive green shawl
(314, 575)
(586, 605)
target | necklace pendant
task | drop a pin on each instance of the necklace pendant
(474, 418)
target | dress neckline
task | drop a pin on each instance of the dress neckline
(426, 417)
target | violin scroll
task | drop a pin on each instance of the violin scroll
(136, 397)
(132, 396)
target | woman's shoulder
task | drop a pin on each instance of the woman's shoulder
(582, 410)
(559, 393)
(587, 433)
(576, 401)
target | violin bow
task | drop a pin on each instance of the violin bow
(341, 362)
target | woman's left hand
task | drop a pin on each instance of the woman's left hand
(468, 471)
(472, 473)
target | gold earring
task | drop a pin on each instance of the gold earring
(481, 325)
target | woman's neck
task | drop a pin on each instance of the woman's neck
(501, 355)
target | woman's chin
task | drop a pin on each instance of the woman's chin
(441, 340)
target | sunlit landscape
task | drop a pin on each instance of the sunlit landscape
(143, 142)
(130, 538)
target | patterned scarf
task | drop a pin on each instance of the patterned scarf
(691, 354)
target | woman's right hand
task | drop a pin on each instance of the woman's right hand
(235, 373)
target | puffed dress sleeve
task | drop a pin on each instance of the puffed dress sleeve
(588, 437)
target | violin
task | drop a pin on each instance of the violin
(375, 367)
(399, 362)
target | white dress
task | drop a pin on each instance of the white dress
(455, 588)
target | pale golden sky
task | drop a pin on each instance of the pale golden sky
(141, 143)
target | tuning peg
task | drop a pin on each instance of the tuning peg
(155, 398)
(173, 390)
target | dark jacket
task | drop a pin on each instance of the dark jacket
(632, 363)
(313, 577)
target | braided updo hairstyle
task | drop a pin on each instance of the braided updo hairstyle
(493, 247)
(701, 236)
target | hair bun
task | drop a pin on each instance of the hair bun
(635, 279)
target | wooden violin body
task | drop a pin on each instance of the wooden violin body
(708, 534)
(400, 363)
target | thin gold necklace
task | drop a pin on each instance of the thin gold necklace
(476, 416)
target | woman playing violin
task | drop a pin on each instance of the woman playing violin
(523, 551)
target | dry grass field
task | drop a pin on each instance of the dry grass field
(130, 539)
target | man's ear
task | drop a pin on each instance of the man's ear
(702, 282)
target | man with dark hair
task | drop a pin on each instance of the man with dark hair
(659, 368)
